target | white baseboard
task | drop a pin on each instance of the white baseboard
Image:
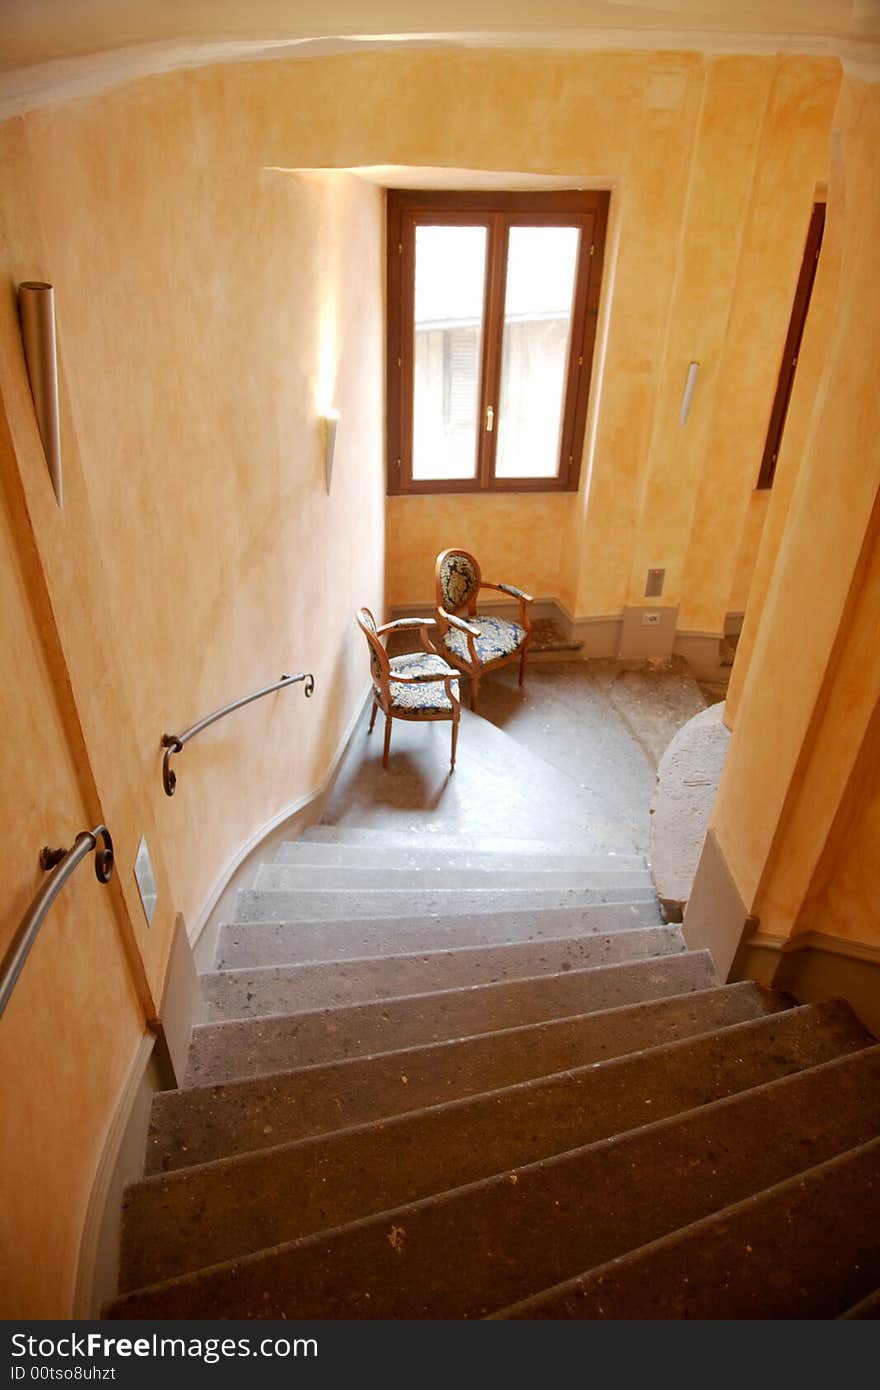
(614, 636)
(121, 1161)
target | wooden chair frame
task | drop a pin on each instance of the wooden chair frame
(475, 667)
(382, 695)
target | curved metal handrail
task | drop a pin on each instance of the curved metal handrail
(173, 743)
(62, 863)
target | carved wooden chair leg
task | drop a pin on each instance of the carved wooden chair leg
(387, 740)
(475, 690)
(373, 717)
(454, 744)
(522, 665)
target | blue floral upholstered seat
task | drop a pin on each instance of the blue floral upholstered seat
(427, 697)
(478, 642)
(419, 685)
(498, 638)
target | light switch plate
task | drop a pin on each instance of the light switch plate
(146, 880)
(654, 583)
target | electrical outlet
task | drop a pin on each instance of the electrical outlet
(650, 620)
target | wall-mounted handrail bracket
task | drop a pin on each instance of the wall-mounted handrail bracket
(175, 743)
(59, 864)
(50, 858)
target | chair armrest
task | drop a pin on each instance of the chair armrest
(509, 589)
(404, 624)
(454, 621)
(426, 677)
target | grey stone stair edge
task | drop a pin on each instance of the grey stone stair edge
(523, 1028)
(293, 877)
(432, 950)
(733, 1032)
(742, 986)
(441, 839)
(399, 1219)
(428, 855)
(359, 980)
(672, 931)
(692, 1014)
(328, 939)
(458, 1067)
(718, 1225)
(467, 1138)
(316, 852)
(867, 1307)
(254, 904)
(427, 997)
(250, 1044)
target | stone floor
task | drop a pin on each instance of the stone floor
(572, 757)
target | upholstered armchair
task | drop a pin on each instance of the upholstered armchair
(419, 685)
(477, 643)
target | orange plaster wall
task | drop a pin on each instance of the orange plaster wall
(811, 686)
(712, 166)
(845, 892)
(747, 555)
(209, 305)
(722, 543)
(71, 1029)
(209, 308)
(490, 527)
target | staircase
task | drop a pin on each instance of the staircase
(445, 1077)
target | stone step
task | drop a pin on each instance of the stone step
(483, 1247)
(308, 941)
(263, 905)
(247, 1047)
(202, 1123)
(869, 1306)
(808, 1247)
(276, 989)
(416, 837)
(292, 878)
(425, 856)
(203, 1215)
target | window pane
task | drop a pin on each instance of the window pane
(449, 282)
(538, 303)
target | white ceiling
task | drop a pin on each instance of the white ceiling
(51, 50)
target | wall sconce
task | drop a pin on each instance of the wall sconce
(36, 310)
(329, 421)
(689, 385)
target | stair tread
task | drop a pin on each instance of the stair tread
(425, 855)
(331, 939)
(485, 1246)
(204, 1122)
(867, 1307)
(183, 1220)
(418, 836)
(257, 904)
(332, 1034)
(294, 877)
(266, 989)
(807, 1247)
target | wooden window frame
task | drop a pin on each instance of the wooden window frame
(791, 351)
(498, 212)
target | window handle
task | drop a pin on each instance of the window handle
(490, 419)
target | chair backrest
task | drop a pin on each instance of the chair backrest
(457, 577)
(379, 666)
